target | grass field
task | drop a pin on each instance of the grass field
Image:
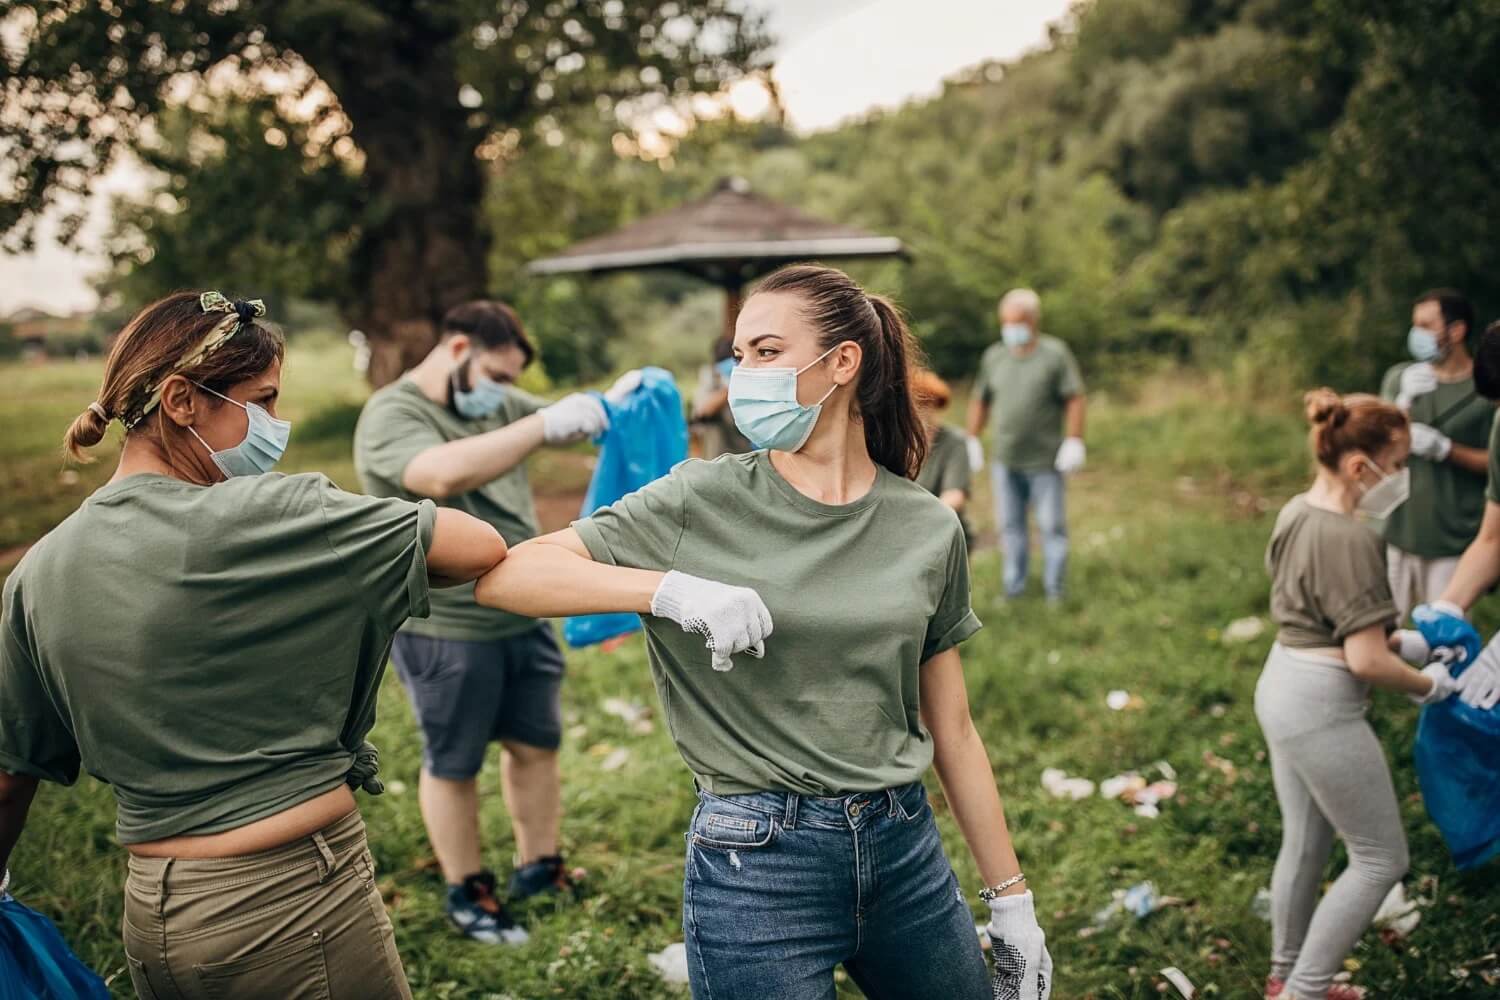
(1169, 523)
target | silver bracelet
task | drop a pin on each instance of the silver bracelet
(989, 892)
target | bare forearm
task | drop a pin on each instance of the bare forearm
(460, 466)
(1074, 416)
(963, 769)
(1371, 660)
(1480, 566)
(542, 579)
(16, 794)
(1475, 460)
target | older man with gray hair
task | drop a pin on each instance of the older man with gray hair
(1030, 383)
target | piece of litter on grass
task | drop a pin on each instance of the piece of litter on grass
(1243, 629)
(1117, 699)
(1060, 786)
(1166, 770)
(1218, 711)
(396, 787)
(615, 760)
(1122, 786)
(671, 963)
(1174, 975)
(1261, 904)
(628, 711)
(1398, 914)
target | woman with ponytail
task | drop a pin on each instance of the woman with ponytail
(208, 638)
(1331, 601)
(813, 843)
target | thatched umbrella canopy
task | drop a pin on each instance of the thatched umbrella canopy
(729, 239)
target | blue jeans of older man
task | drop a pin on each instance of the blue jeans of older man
(1016, 492)
(780, 889)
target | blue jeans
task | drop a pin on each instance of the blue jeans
(1015, 491)
(780, 888)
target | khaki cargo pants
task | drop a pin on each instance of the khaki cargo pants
(299, 922)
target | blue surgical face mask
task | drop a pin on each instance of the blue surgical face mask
(1423, 344)
(264, 444)
(1015, 334)
(764, 404)
(483, 398)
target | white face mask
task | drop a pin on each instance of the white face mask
(1382, 499)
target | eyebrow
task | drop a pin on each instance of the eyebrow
(764, 336)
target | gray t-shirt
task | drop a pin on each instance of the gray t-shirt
(1027, 396)
(947, 468)
(1328, 577)
(861, 594)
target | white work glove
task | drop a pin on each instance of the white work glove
(1071, 456)
(1479, 686)
(1409, 644)
(1416, 380)
(976, 453)
(623, 387)
(731, 619)
(1023, 968)
(1430, 443)
(1442, 684)
(573, 418)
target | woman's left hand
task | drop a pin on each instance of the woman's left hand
(1023, 968)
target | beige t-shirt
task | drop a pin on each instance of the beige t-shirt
(1328, 577)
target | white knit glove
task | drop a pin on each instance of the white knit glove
(1416, 380)
(1442, 684)
(623, 387)
(1430, 443)
(976, 453)
(1071, 456)
(1023, 968)
(731, 619)
(573, 418)
(1479, 686)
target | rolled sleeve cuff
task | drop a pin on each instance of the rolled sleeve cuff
(960, 632)
(594, 541)
(1381, 613)
(11, 764)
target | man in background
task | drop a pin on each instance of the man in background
(1450, 428)
(1030, 385)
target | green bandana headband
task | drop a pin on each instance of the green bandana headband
(236, 315)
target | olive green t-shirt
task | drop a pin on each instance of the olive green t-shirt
(860, 594)
(1441, 517)
(1328, 577)
(947, 467)
(398, 423)
(1027, 396)
(1492, 491)
(212, 652)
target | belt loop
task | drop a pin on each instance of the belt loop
(890, 794)
(789, 811)
(326, 860)
(161, 888)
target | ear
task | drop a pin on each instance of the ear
(458, 345)
(179, 401)
(846, 361)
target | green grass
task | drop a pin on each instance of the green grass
(1169, 524)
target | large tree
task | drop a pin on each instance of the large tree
(406, 99)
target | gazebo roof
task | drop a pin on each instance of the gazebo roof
(729, 237)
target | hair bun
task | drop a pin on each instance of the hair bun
(1324, 406)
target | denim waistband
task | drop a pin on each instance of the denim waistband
(839, 812)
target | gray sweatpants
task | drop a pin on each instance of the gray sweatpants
(1331, 778)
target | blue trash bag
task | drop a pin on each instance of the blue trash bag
(35, 963)
(1458, 767)
(647, 436)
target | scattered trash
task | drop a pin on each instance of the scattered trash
(1119, 700)
(1222, 765)
(616, 760)
(1243, 629)
(1218, 710)
(1060, 786)
(1140, 901)
(1133, 789)
(396, 787)
(636, 716)
(1166, 770)
(1174, 975)
(671, 963)
(1397, 916)
(1261, 904)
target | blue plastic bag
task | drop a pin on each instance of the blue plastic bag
(35, 963)
(647, 436)
(1458, 767)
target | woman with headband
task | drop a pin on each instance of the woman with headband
(209, 640)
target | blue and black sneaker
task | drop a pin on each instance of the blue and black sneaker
(544, 875)
(474, 909)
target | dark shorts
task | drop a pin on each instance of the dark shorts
(467, 694)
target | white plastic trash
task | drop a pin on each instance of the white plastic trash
(671, 963)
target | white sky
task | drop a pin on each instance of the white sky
(837, 59)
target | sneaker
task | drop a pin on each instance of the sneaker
(547, 874)
(473, 908)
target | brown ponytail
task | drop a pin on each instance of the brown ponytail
(1357, 422)
(883, 401)
(148, 349)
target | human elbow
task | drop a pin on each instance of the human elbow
(1363, 663)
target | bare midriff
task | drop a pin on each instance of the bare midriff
(301, 820)
(1332, 652)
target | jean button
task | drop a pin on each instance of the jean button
(854, 809)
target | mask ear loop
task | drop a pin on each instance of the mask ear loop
(816, 360)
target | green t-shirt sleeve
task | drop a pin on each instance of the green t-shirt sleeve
(1492, 491)
(382, 544)
(641, 530)
(954, 620)
(389, 437)
(954, 472)
(34, 739)
(1390, 385)
(1069, 378)
(1354, 588)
